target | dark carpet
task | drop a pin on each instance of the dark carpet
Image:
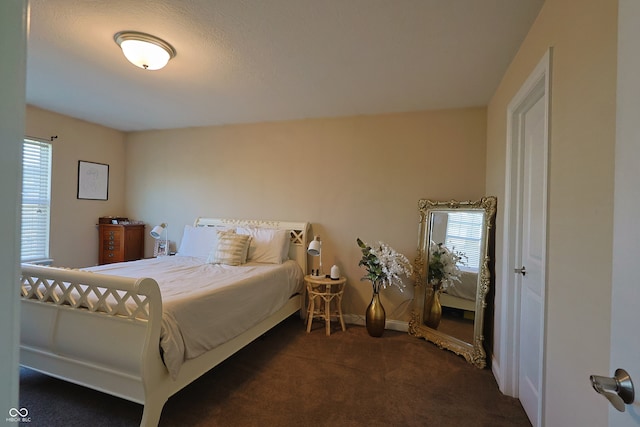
(291, 378)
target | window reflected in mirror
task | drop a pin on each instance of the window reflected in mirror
(459, 232)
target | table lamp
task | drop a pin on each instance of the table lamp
(156, 233)
(315, 249)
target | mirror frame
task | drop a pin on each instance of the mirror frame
(474, 352)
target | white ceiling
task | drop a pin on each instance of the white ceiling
(245, 61)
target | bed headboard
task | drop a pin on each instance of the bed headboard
(298, 231)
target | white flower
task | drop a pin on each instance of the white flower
(443, 265)
(384, 265)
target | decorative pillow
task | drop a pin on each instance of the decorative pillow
(268, 245)
(197, 241)
(231, 249)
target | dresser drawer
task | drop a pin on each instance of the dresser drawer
(111, 243)
(112, 256)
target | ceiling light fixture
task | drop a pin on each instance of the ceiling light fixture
(144, 50)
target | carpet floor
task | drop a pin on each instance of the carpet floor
(290, 378)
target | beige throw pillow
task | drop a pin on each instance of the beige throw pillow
(231, 249)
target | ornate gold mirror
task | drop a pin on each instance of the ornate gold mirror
(452, 275)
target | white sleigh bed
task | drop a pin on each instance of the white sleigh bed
(104, 331)
(462, 295)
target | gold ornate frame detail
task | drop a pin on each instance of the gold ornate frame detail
(474, 351)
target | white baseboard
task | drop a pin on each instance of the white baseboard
(394, 325)
(495, 369)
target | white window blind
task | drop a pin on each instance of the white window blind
(464, 234)
(36, 200)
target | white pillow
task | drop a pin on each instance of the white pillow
(285, 247)
(197, 241)
(268, 245)
(231, 249)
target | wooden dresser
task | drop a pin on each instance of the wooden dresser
(120, 242)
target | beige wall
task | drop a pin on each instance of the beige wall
(74, 236)
(581, 168)
(349, 177)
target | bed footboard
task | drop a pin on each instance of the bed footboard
(99, 331)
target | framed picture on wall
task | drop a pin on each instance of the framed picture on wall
(93, 180)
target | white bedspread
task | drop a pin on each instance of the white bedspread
(205, 305)
(466, 288)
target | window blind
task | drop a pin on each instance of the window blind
(464, 234)
(36, 199)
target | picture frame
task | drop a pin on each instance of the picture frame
(93, 180)
(160, 248)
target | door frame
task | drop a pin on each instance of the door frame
(537, 85)
(14, 29)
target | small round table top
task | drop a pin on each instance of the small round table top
(324, 280)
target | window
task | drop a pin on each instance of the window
(464, 234)
(36, 200)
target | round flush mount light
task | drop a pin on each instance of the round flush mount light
(144, 50)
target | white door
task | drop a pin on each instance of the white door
(531, 279)
(625, 296)
(524, 265)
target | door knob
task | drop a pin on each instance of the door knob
(522, 270)
(618, 390)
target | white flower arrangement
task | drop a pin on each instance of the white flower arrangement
(443, 265)
(384, 266)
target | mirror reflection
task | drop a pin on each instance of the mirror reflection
(455, 243)
(452, 275)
